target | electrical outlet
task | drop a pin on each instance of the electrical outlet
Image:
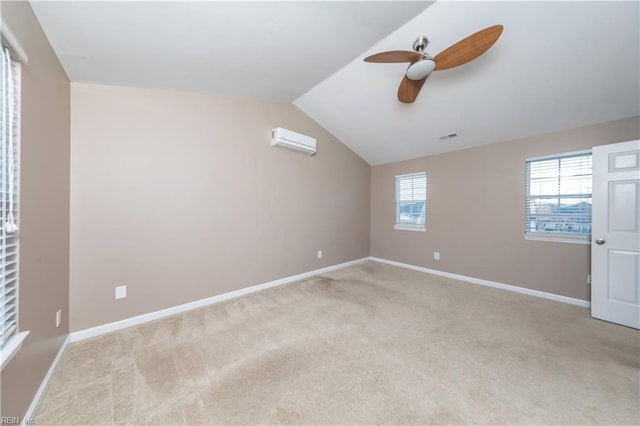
(436, 255)
(319, 254)
(121, 292)
(58, 318)
(588, 278)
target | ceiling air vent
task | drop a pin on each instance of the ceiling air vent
(449, 136)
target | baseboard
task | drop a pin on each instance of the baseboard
(523, 290)
(151, 316)
(31, 412)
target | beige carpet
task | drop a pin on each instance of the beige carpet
(369, 344)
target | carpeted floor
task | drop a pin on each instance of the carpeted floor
(368, 344)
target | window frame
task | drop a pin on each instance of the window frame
(562, 237)
(11, 343)
(409, 226)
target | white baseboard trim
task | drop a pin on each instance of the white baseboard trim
(31, 412)
(523, 290)
(151, 316)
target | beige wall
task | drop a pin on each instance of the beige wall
(44, 211)
(179, 196)
(475, 213)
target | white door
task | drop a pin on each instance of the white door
(615, 245)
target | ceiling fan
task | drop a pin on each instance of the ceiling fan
(422, 64)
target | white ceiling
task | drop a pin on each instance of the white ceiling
(557, 65)
(271, 50)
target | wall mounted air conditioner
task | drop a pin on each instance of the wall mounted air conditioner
(291, 140)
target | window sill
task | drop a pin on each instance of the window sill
(418, 228)
(11, 347)
(561, 238)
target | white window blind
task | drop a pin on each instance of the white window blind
(9, 89)
(411, 200)
(558, 196)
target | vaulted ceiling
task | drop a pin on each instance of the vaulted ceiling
(557, 65)
(263, 49)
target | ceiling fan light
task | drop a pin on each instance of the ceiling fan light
(421, 69)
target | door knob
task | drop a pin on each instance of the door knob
(600, 241)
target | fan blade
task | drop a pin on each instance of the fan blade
(409, 89)
(468, 49)
(393, 56)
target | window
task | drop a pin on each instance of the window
(9, 128)
(411, 201)
(558, 198)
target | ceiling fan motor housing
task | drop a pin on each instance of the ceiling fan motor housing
(424, 67)
(420, 44)
(421, 69)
